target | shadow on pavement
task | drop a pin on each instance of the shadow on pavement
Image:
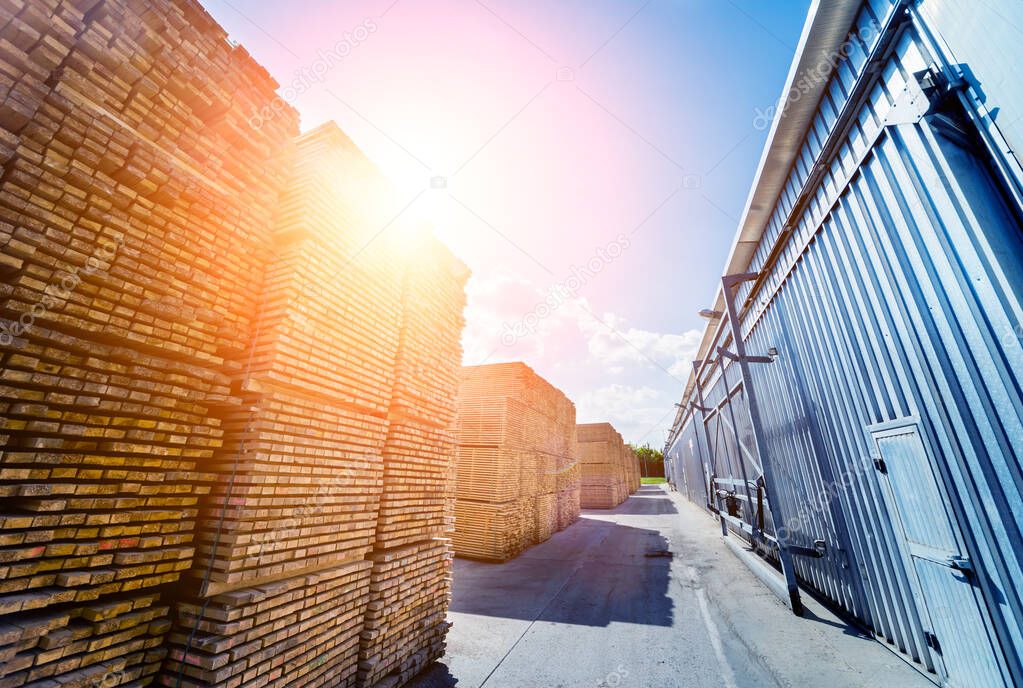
(436, 675)
(591, 574)
(649, 500)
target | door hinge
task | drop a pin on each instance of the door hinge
(880, 465)
(932, 641)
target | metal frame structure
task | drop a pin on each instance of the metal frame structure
(880, 251)
(728, 284)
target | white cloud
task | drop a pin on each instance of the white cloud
(502, 304)
(628, 376)
(614, 344)
(639, 413)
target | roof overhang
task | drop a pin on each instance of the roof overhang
(827, 26)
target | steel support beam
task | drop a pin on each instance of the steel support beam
(728, 283)
(708, 470)
(738, 438)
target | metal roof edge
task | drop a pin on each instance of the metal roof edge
(827, 26)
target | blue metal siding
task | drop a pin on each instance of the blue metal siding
(898, 295)
(987, 37)
(687, 458)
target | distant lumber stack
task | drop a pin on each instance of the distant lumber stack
(517, 465)
(632, 470)
(607, 479)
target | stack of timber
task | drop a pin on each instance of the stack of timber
(293, 632)
(293, 514)
(569, 485)
(604, 457)
(405, 626)
(225, 446)
(633, 472)
(136, 206)
(517, 465)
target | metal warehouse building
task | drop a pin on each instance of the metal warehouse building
(857, 410)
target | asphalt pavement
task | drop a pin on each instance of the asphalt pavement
(645, 595)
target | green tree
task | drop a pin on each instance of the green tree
(651, 461)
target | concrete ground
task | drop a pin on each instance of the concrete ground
(645, 595)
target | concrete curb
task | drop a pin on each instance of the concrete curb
(767, 575)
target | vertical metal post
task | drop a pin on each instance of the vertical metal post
(712, 492)
(738, 446)
(703, 421)
(727, 283)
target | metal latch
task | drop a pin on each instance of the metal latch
(960, 563)
(927, 93)
(932, 641)
(820, 548)
(880, 465)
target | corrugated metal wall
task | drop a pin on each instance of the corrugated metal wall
(896, 303)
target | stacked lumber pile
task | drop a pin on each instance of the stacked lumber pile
(517, 466)
(136, 207)
(605, 458)
(405, 625)
(569, 485)
(633, 473)
(299, 476)
(295, 631)
(225, 446)
(410, 590)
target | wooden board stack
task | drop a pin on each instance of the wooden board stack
(569, 486)
(213, 365)
(136, 206)
(632, 470)
(405, 625)
(605, 459)
(299, 476)
(517, 466)
(295, 631)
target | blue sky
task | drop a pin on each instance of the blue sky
(621, 134)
